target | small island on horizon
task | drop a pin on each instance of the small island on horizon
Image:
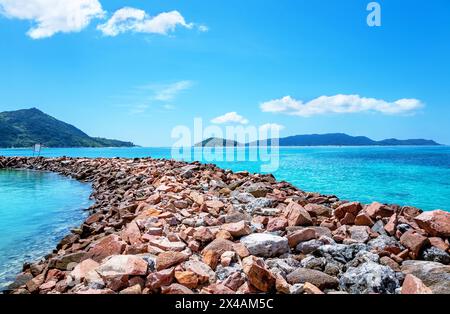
(330, 139)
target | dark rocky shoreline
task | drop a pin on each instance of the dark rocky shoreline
(162, 226)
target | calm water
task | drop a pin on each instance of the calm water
(37, 209)
(416, 176)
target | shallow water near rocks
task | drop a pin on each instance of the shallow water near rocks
(37, 209)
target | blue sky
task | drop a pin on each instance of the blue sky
(282, 62)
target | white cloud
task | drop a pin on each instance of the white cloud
(134, 20)
(230, 117)
(340, 104)
(52, 16)
(203, 28)
(170, 91)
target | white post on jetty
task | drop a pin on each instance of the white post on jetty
(37, 150)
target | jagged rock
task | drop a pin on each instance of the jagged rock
(237, 229)
(317, 210)
(176, 288)
(259, 203)
(277, 224)
(257, 190)
(265, 244)
(297, 215)
(434, 275)
(433, 254)
(440, 244)
(82, 269)
(169, 259)
(385, 243)
(369, 277)
(109, 245)
(413, 285)
(375, 210)
(234, 281)
(341, 252)
(136, 289)
(308, 247)
(243, 197)
(436, 223)
(68, 261)
(159, 279)
(219, 246)
(414, 242)
(312, 262)
(352, 208)
(257, 273)
(359, 233)
(187, 279)
(283, 265)
(309, 288)
(123, 265)
(363, 219)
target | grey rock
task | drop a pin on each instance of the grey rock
(265, 244)
(379, 228)
(434, 275)
(333, 268)
(266, 211)
(257, 189)
(296, 288)
(67, 262)
(317, 278)
(223, 273)
(284, 265)
(369, 278)
(309, 247)
(363, 257)
(312, 262)
(341, 252)
(384, 242)
(359, 234)
(433, 254)
(259, 203)
(243, 197)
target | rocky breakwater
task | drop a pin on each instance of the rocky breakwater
(160, 226)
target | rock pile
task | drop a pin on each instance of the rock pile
(162, 226)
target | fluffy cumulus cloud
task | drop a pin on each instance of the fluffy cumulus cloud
(135, 20)
(340, 104)
(52, 16)
(230, 117)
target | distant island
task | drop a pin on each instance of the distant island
(332, 139)
(24, 128)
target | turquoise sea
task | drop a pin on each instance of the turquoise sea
(37, 209)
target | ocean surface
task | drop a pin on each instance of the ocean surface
(415, 176)
(37, 209)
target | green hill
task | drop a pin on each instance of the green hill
(24, 128)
